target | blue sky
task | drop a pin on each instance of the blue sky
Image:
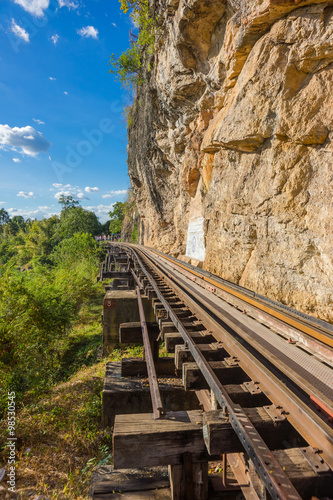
(61, 125)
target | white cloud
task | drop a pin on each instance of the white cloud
(68, 190)
(68, 3)
(55, 38)
(102, 211)
(66, 93)
(40, 213)
(3, 202)
(46, 207)
(25, 195)
(114, 24)
(16, 160)
(82, 196)
(34, 7)
(19, 31)
(29, 140)
(51, 78)
(112, 194)
(88, 31)
(38, 121)
(63, 193)
(91, 189)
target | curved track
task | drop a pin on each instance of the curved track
(294, 380)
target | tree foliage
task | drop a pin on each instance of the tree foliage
(47, 271)
(4, 217)
(129, 66)
(117, 216)
(68, 202)
(77, 220)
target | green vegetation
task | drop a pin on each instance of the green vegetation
(117, 216)
(50, 333)
(47, 273)
(134, 236)
(131, 65)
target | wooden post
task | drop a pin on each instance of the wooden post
(189, 480)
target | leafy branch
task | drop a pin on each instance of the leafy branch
(129, 66)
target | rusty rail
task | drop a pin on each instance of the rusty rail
(270, 471)
(158, 409)
(136, 280)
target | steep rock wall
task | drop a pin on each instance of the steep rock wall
(235, 124)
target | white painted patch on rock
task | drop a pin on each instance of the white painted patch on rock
(195, 246)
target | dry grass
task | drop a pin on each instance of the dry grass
(59, 434)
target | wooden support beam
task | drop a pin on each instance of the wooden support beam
(130, 333)
(141, 441)
(212, 352)
(132, 367)
(173, 339)
(189, 481)
(311, 481)
(150, 293)
(117, 274)
(194, 380)
(158, 307)
(220, 437)
(169, 327)
(241, 395)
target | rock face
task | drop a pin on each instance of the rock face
(235, 125)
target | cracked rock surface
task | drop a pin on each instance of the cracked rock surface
(238, 113)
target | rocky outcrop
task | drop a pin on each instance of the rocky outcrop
(234, 125)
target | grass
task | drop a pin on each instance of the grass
(59, 434)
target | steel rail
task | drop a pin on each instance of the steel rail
(156, 400)
(136, 279)
(248, 333)
(300, 321)
(306, 422)
(269, 469)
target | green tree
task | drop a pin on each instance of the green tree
(130, 64)
(68, 202)
(4, 217)
(117, 216)
(75, 220)
(16, 224)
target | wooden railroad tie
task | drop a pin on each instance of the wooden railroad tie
(200, 337)
(186, 440)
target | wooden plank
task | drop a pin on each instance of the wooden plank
(177, 483)
(308, 483)
(131, 484)
(131, 332)
(189, 481)
(240, 395)
(210, 351)
(139, 440)
(194, 380)
(132, 367)
(220, 438)
(169, 327)
(117, 274)
(173, 339)
(160, 494)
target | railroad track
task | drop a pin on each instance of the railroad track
(224, 335)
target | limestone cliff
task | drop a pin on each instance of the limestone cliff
(234, 127)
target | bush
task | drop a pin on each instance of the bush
(38, 308)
